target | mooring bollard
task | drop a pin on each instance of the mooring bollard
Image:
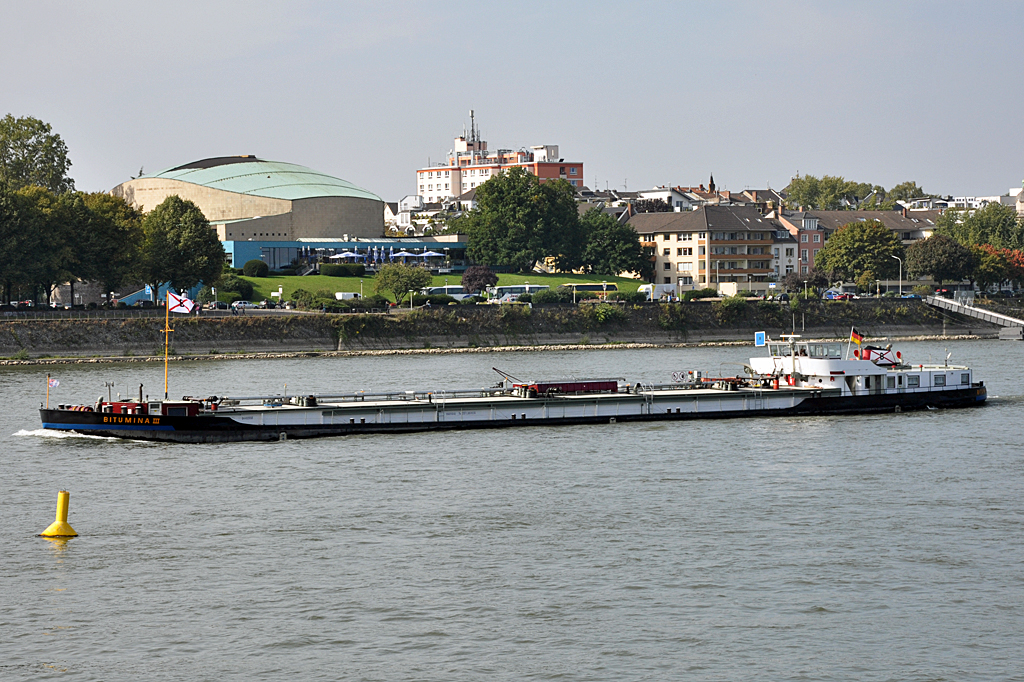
(60, 528)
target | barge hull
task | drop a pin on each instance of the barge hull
(219, 429)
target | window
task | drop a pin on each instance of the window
(572, 171)
(702, 235)
(430, 175)
(789, 252)
(803, 269)
(666, 237)
(803, 255)
(939, 380)
(572, 182)
(803, 237)
(684, 267)
(965, 378)
(890, 382)
(686, 237)
(679, 252)
(789, 269)
(817, 238)
(686, 280)
(688, 251)
(666, 252)
(913, 381)
(668, 266)
(776, 252)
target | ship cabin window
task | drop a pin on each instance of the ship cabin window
(939, 380)
(822, 351)
(778, 350)
(965, 378)
(890, 382)
(177, 412)
(913, 381)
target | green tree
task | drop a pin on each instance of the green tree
(905, 191)
(55, 223)
(17, 243)
(519, 221)
(179, 246)
(398, 279)
(941, 258)
(32, 154)
(815, 279)
(859, 247)
(829, 193)
(609, 246)
(115, 231)
(994, 224)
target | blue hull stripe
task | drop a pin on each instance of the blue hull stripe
(106, 427)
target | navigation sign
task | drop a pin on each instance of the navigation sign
(149, 290)
(759, 338)
(771, 285)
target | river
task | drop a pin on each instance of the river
(882, 547)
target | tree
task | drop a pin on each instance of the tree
(477, 278)
(179, 246)
(815, 278)
(609, 246)
(399, 279)
(31, 154)
(115, 238)
(519, 221)
(941, 258)
(990, 266)
(53, 224)
(255, 268)
(858, 247)
(828, 193)
(994, 224)
(905, 191)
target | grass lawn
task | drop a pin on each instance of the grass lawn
(262, 286)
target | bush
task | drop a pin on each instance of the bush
(205, 295)
(700, 293)
(435, 299)
(604, 313)
(628, 296)
(923, 290)
(233, 283)
(333, 270)
(525, 298)
(546, 296)
(255, 268)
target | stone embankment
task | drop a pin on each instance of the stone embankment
(476, 327)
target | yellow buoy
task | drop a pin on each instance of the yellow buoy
(60, 527)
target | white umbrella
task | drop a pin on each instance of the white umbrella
(406, 253)
(429, 254)
(343, 254)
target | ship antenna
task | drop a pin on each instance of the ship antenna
(506, 375)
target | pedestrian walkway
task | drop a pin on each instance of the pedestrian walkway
(971, 311)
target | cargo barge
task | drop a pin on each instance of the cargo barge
(795, 378)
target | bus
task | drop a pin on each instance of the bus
(584, 290)
(509, 293)
(453, 290)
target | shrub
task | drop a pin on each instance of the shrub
(628, 296)
(923, 290)
(700, 293)
(478, 278)
(233, 283)
(333, 270)
(205, 295)
(546, 296)
(435, 299)
(255, 268)
(525, 298)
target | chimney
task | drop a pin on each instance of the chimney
(904, 211)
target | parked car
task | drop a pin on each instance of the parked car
(783, 297)
(217, 305)
(266, 304)
(912, 296)
(238, 305)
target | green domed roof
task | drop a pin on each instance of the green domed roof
(273, 179)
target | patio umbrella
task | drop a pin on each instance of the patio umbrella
(406, 254)
(392, 253)
(429, 254)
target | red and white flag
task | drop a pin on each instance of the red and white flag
(179, 304)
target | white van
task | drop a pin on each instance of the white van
(345, 295)
(655, 292)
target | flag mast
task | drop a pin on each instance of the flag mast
(167, 334)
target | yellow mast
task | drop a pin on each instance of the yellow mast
(167, 334)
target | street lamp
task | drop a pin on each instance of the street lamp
(805, 288)
(410, 299)
(901, 273)
(360, 288)
(878, 287)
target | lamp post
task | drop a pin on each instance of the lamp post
(878, 287)
(901, 273)
(805, 288)
(410, 299)
(360, 288)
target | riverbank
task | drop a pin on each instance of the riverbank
(430, 351)
(473, 328)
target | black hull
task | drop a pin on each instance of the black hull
(211, 429)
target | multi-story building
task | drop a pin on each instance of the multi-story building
(469, 164)
(711, 245)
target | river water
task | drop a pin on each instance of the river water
(884, 547)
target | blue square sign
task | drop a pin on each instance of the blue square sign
(759, 338)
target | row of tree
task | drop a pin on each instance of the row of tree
(520, 221)
(49, 238)
(832, 193)
(985, 246)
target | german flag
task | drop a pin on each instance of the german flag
(856, 336)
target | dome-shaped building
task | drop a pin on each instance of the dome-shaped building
(250, 199)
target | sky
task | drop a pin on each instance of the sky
(643, 93)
